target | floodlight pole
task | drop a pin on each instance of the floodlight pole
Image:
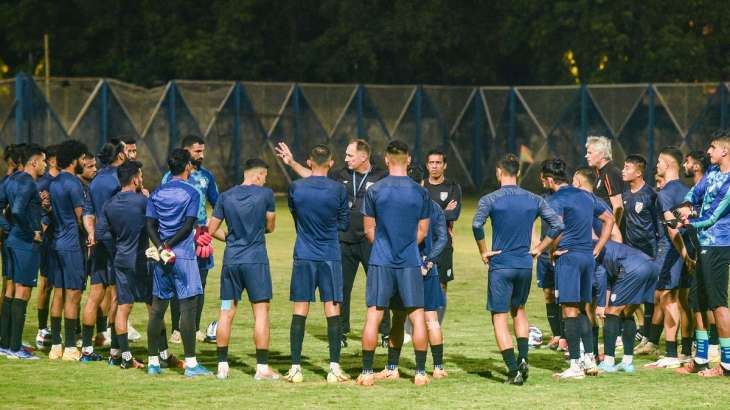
(47, 69)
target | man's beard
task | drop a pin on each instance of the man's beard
(689, 174)
(197, 163)
(79, 169)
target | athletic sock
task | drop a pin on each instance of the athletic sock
(367, 361)
(262, 357)
(115, 337)
(154, 327)
(687, 346)
(223, 354)
(671, 348)
(627, 359)
(420, 361)
(393, 357)
(586, 333)
(655, 333)
(55, 330)
(714, 336)
(18, 322)
(437, 352)
(333, 337)
(523, 348)
(100, 322)
(192, 361)
(572, 335)
(553, 311)
(628, 334)
(87, 334)
(124, 345)
(508, 355)
(594, 331)
(163, 341)
(611, 330)
(69, 331)
(609, 360)
(296, 337)
(703, 345)
(648, 313)
(42, 319)
(725, 353)
(5, 320)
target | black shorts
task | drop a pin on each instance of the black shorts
(709, 289)
(445, 263)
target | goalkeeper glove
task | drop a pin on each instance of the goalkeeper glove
(167, 256)
(152, 253)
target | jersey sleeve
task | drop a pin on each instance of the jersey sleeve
(719, 208)
(151, 211)
(601, 279)
(454, 214)
(368, 204)
(211, 191)
(547, 214)
(614, 182)
(290, 201)
(88, 206)
(425, 205)
(343, 211)
(76, 195)
(484, 208)
(218, 209)
(271, 205)
(194, 205)
(21, 209)
(439, 231)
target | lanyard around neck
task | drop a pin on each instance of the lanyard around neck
(356, 189)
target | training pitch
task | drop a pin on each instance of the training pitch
(476, 371)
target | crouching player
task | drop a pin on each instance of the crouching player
(248, 210)
(513, 212)
(626, 274)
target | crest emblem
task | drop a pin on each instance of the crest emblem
(613, 297)
(203, 183)
(638, 207)
(443, 195)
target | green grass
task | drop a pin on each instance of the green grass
(472, 358)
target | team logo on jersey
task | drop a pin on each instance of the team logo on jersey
(368, 185)
(638, 207)
(613, 297)
(203, 182)
(443, 195)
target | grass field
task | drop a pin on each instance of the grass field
(476, 371)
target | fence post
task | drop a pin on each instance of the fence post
(650, 131)
(104, 115)
(583, 117)
(297, 111)
(476, 153)
(237, 131)
(172, 116)
(19, 106)
(359, 97)
(419, 102)
(512, 128)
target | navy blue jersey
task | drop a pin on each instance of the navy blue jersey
(244, 209)
(438, 234)
(67, 195)
(640, 219)
(4, 224)
(101, 189)
(124, 215)
(7, 189)
(618, 259)
(578, 208)
(597, 223)
(25, 210)
(397, 204)
(171, 204)
(671, 195)
(44, 183)
(512, 211)
(204, 182)
(320, 209)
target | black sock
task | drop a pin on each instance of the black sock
(296, 337)
(437, 352)
(100, 322)
(586, 333)
(687, 346)
(115, 337)
(656, 333)
(69, 331)
(18, 322)
(522, 348)
(611, 330)
(572, 334)
(222, 353)
(393, 357)
(595, 339)
(199, 310)
(671, 348)
(163, 338)
(553, 318)
(175, 314)
(55, 330)
(714, 336)
(5, 322)
(367, 360)
(87, 334)
(628, 335)
(155, 325)
(188, 308)
(42, 318)
(262, 356)
(420, 361)
(123, 342)
(508, 355)
(648, 313)
(78, 323)
(333, 337)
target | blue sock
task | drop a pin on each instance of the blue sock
(702, 339)
(725, 352)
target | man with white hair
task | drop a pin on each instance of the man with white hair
(609, 182)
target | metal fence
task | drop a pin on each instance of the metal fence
(473, 125)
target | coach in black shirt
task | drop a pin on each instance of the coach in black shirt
(609, 182)
(358, 175)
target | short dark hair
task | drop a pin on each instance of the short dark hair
(415, 171)
(179, 159)
(638, 161)
(673, 152)
(397, 147)
(109, 151)
(69, 151)
(320, 154)
(127, 171)
(29, 151)
(509, 164)
(13, 152)
(360, 145)
(436, 152)
(701, 157)
(128, 139)
(51, 151)
(556, 169)
(190, 140)
(253, 163)
(588, 173)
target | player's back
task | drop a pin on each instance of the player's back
(67, 194)
(319, 207)
(172, 204)
(25, 209)
(125, 215)
(244, 209)
(578, 208)
(618, 257)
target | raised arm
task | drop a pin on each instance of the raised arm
(283, 152)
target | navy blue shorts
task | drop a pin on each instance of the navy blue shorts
(630, 287)
(24, 264)
(670, 267)
(308, 275)
(545, 272)
(651, 285)
(433, 295)
(255, 278)
(6, 261)
(102, 266)
(68, 270)
(133, 285)
(574, 277)
(384, 283)
(45, 250)
(180, 280)
(598, 272)
(507, 289)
